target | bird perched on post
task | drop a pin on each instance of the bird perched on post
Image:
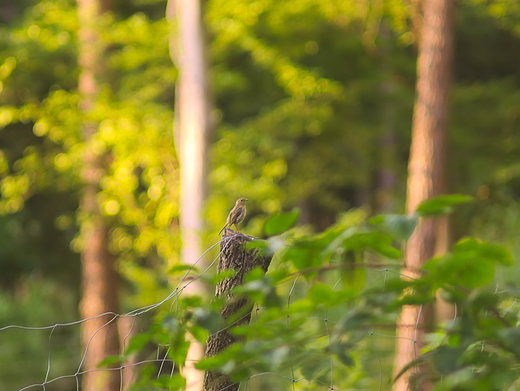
(236, 215)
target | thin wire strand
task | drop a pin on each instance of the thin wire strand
(49, 355)
(288, 321)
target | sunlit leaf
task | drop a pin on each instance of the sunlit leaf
(320, 293)
(180, 269)
(137, 342)
(221, 276)
(354, 274)
(280, 223)
(111, 361)
(440, 205)
(497, 253)
(172, 382)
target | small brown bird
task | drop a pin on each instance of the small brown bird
(237, 214)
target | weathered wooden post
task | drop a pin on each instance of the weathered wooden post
(233, 256)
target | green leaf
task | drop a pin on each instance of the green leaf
(482, 298)
(477, 273)
(472, 264)
(352, 320)
(210, 320)
(388, 251)
(173, 382)
(199, 333)
(178, 348)
(254, 275)
(452, 295)
(110, 361)
(440, 205)
(170, 323)
(181, 268)
(376, 241)
(320, 293)
(279, 223)
(305, 254)
(340, 350)
(254, 289)
(271, 298)
(511, 339)
(396, 284)
(461, 268)
(398, 226)
(137, 343)
(192, 301)
(354, 276)
(266, 247)
(221, 276)
(445, 359)
(278, 357)
(497, 253)
(323, 295)
(261, 245)
(215, 362)
(314, 364)
(301, 306)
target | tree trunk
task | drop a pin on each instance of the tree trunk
(444, 311)
(192, 128)
(99, 287)
(127, 327)
(192, 120)
(425, 169)
(233, 256)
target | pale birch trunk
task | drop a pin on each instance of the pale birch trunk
(192, 129)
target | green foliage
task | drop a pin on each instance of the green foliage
(307, 95)
(39, 303)
(441, 204)
(305, 115)
(41, 158)
(399, 226)
(139, 186)
(471, 264)
(280, 223)
(324, 332)
(209, 320)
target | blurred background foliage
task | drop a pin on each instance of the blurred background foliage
(313, 104)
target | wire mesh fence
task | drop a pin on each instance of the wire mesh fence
(316, 331)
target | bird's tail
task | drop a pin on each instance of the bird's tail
(222, 229)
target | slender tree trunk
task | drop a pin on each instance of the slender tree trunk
(444, 311)
(426, 168)
(192, 128)
(99, 290)
(127, 330)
